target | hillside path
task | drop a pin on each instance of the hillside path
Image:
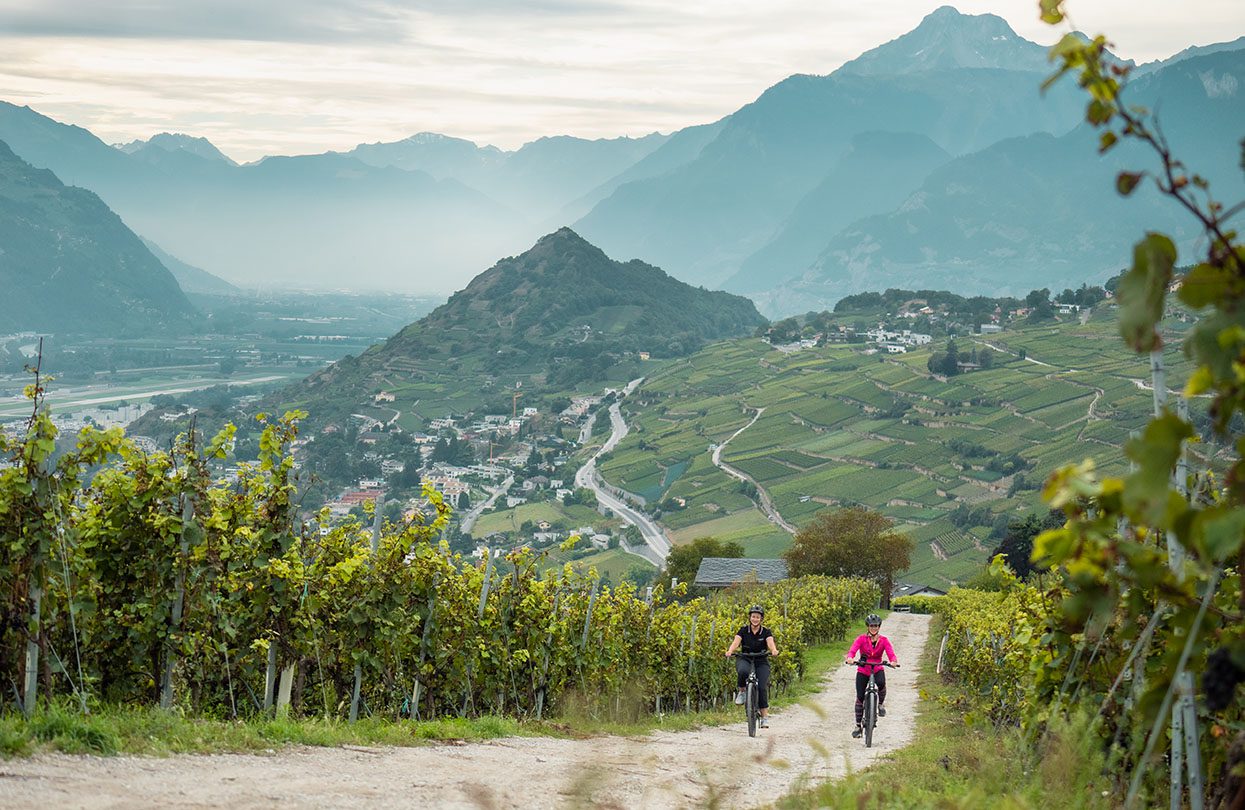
(766, 503)
(659, 770)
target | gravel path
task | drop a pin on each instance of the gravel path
(665, 769)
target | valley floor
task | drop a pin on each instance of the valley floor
(808, 743)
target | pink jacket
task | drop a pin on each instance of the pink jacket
(872, 652)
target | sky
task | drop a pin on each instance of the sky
(260, 77)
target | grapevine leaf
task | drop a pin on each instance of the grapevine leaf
(1143, 289)
(1125, 182)
(1147, 494)
(1051, 11)
(1203, 285)
(1222, 531)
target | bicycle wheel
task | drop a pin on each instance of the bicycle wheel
(871, 717)
(750, 706)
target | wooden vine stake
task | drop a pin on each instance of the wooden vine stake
(358, 667)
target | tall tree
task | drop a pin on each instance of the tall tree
(851, 542)
(1017, 544)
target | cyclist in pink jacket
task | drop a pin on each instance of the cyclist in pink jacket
(870, 646)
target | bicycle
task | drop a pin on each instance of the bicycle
(751, 690)
(870, 718)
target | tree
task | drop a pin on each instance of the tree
(1017, 543)
(684, 561)
(851, 542)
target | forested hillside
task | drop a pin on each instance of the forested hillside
(557, 317)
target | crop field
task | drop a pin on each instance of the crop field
(572, 517)
(831, 436)
(763, 469)
(613, 564)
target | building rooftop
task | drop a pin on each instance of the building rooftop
(721, 572)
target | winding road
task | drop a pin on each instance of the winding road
(765, 503)
(656, 543)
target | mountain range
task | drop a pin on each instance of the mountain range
(66, 259)
(929, 161)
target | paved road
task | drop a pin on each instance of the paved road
(656, 543)
(469, 519)
(766, 504)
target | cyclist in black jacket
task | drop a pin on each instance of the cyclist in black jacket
(754, 637)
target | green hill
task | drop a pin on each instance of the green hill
(69, 264)
(560, 315)
(950, 460)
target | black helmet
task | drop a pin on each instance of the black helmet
(873, 620)
(756, 609)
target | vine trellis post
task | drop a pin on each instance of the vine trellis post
(358, 665)
(1186, 754)
(179, 598)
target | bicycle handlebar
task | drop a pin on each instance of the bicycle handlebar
(760, 654)
(870, 664)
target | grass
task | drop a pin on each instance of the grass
(611, 563)
(953, 763)
(118, 729)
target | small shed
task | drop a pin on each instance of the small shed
(723, 572)
(909, 589)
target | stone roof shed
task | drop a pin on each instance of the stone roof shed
(723, 572)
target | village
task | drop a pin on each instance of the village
(509, 478)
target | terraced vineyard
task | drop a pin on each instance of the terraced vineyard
(842, 427)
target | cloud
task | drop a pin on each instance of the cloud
(323, 21)
(328, 74)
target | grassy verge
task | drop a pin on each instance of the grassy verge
(954, 763)
(114, 729)
(117, 729)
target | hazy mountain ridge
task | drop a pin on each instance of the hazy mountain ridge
(947, 40)
(190, 278)
(539, 178)
(720, 203)
(1003, 221)
(878, 172)
(702, 220)
(309, 220)
(69, 264)
(177, 142)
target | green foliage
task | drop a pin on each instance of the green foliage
(1148, 567)
(158, 565)
(851, 542)
(991, 642)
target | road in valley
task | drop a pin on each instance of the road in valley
(473, 514)
(763, 498)
(656, 543)
(68, 400)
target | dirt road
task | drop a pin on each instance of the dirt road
(661, 770)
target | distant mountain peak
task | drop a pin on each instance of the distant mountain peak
(424, 138)
(178, 142)
(947, 39)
